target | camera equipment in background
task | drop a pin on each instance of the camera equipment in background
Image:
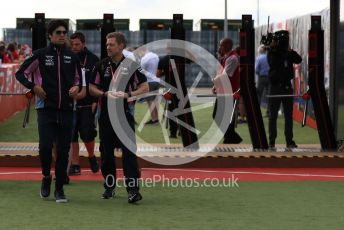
(281, 37)
(267, 39)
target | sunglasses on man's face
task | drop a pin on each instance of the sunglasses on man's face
(59, 32)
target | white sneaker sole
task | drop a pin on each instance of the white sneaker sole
(62, 201)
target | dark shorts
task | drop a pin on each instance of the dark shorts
(153, 86)
(85, 125)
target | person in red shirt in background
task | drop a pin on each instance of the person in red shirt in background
(12, 52)
(4, 55)
(230, 61)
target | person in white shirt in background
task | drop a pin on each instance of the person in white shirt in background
(128, 53)
(149, 65)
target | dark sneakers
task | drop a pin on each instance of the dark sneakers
(45, 187)
(134, 197)
(93, 164)
(45, 190)
(60, 196)
(234, 139)
(74, 170)
(291, 145)
(272, 147)
(109, 193)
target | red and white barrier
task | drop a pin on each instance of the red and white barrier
(10, 104)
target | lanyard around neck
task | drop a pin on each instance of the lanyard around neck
(113, 72)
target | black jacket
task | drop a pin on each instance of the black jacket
(281, 67)
(56, 70)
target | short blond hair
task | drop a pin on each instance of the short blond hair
(120, 38)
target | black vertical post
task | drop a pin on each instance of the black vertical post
(247, 85)
(144, 36)
(216, 42)
(106, 28)
(39, 36)
(316, 84)
(189, 137)
(334, 100)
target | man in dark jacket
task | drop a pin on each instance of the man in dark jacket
(111, 71)
(53, 74)
(281, 60)
(85, 109)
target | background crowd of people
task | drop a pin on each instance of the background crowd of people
(13, 52)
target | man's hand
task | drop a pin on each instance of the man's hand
(73, 91)
(213, 90)
(118, 94)
(39, 91)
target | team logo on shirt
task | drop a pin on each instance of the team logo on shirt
(124, 71)
(140, 70)
(67, 59)
(49, 60)
(107, 72)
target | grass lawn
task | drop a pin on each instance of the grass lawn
(254, 205)
(12, 131)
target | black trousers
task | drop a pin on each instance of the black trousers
(108, 142)
(55, 126)
(274, 104)
(230, 135)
